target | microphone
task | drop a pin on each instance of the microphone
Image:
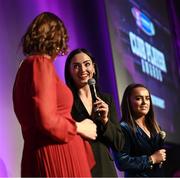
(92, 86)
(162, 135)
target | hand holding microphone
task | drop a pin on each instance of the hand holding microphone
(160, 155)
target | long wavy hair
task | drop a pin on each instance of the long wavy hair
(127, 111)
(68, 77)
(45, 35)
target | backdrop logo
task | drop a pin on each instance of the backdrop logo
(143, 22)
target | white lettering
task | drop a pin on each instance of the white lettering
(157, 101)
(150, 54)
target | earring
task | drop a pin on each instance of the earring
(57, 49)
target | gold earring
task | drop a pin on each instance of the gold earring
(57, 49)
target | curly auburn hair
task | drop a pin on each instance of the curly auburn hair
(45, 35)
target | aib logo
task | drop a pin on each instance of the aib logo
(143, 22)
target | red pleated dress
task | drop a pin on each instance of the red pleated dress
(42, 103)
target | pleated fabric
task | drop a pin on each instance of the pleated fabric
(72, 162)
(42, 103)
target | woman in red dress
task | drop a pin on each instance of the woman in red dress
(42, 103)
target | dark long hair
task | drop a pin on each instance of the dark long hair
(127, 111)
(68, 77)
(45, 35)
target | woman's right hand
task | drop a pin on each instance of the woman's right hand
(87, 129)
(159, 156)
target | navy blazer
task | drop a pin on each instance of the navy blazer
(109, 136)
(134, 158)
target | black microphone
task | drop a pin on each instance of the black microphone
(92, 86)
(162, 135)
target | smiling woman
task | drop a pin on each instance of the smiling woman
(79, 68)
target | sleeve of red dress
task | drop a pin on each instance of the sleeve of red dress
(48, 119)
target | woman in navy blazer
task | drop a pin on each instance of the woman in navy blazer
(142, 155)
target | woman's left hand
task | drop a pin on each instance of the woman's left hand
(101, 107)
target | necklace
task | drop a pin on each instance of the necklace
(144, 128)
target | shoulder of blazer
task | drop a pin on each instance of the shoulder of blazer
(125, 127)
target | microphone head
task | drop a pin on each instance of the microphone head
(92, 81)
(162, 134)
